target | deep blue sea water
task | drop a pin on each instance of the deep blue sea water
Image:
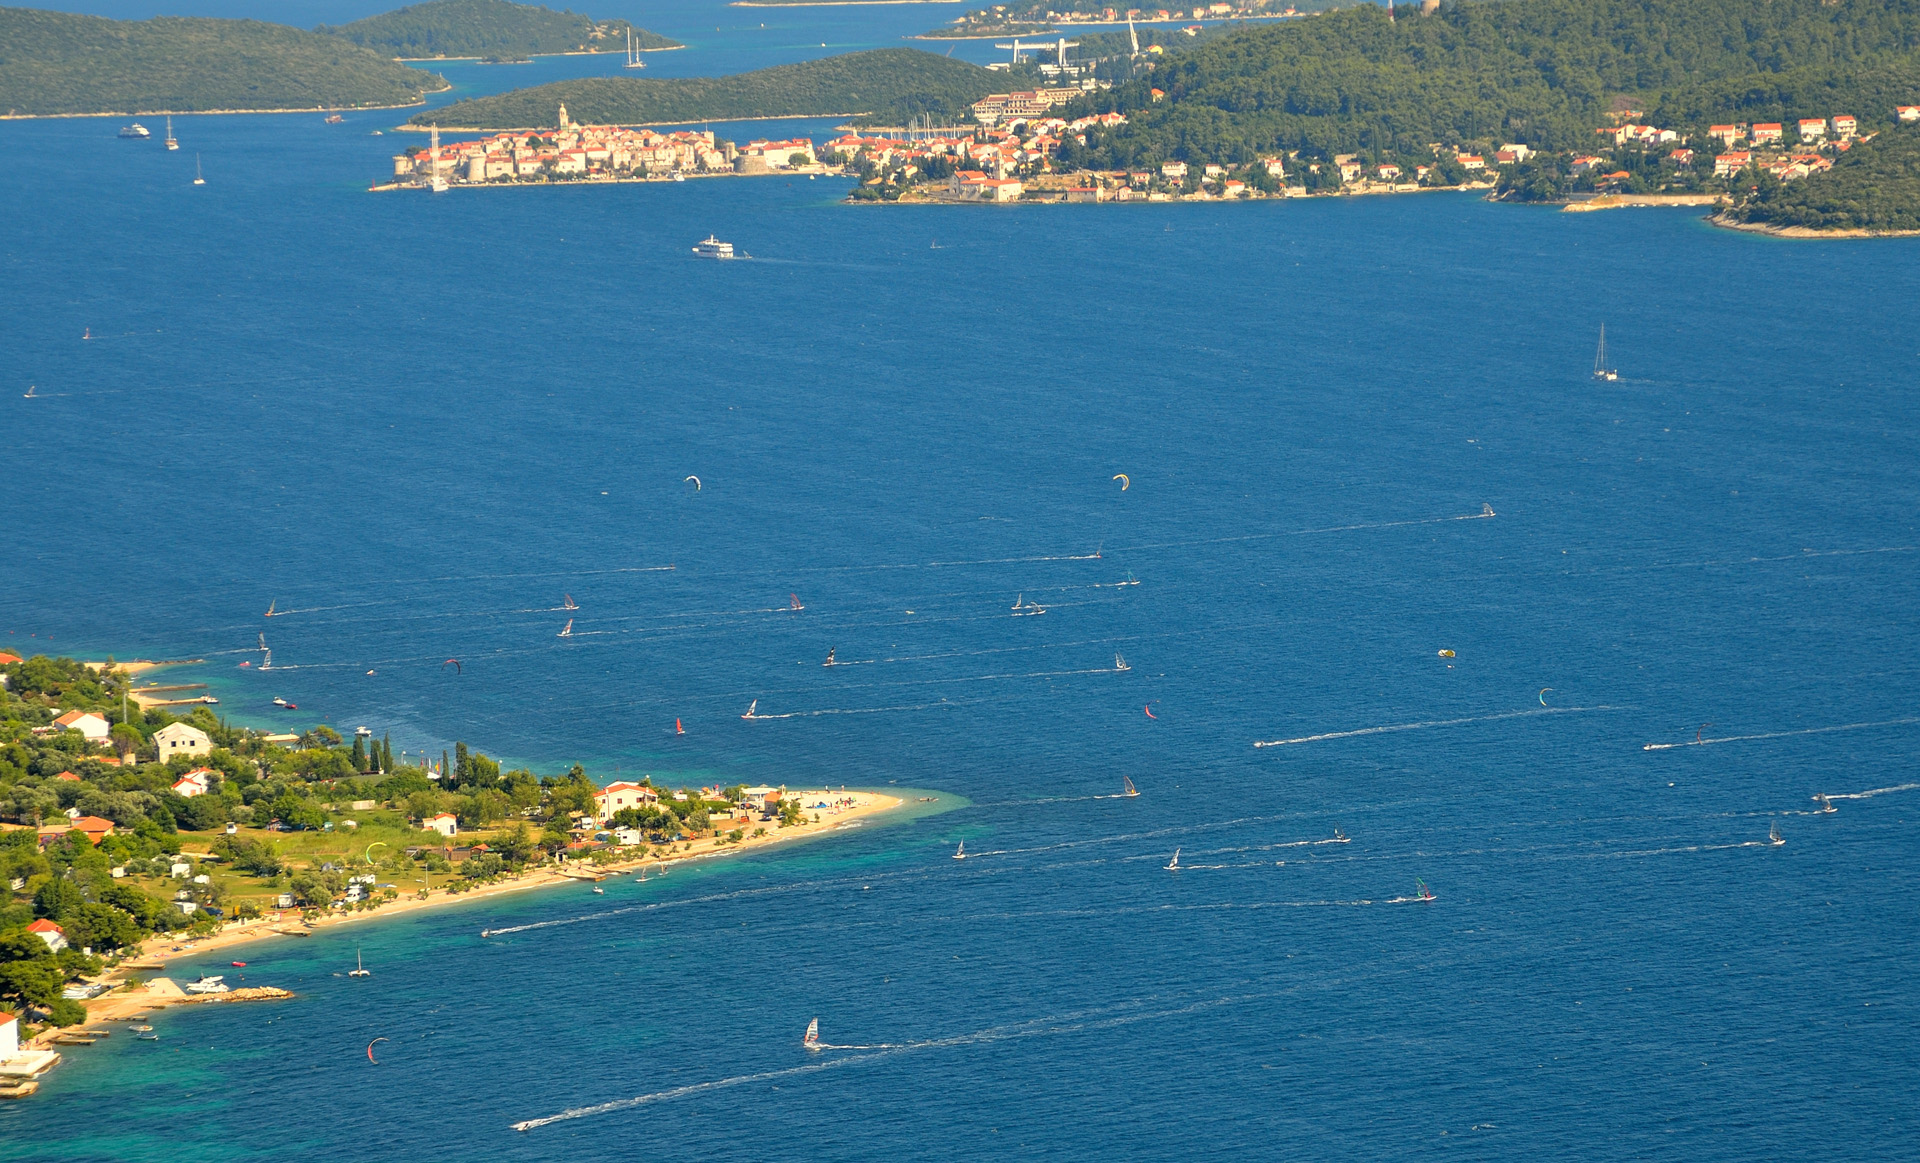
(417, 422)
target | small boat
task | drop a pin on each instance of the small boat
(1773, 835)
(1600, 369)
(751, 707)
(1340, 837)
(1174, 864)
(793, 602)
(215, 984)
(359, 967)
(334, 119)
(171, 143)
(1130, 789)
(238, 964)
(960, 853)
(135, 130)
(812, 1040)
(678, 176)
(712, 247)
(147, 1037)
(141, 1029)
(600, 892)
(197, 179)
(830, 661)
(566, 631)
(569, 604)
(285, 704)
(1120, 663)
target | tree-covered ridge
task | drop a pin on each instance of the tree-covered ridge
(1540, 72)
(56, 62)
(481, 28)
(890, 85)
(1874, 186)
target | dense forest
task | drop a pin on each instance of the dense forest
(1873, 186)
(55, 62)
(486, 28)
(887, 85)
(1541, 72)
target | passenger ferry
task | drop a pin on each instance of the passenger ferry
(134, 130)
(714, 248)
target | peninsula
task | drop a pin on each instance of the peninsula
(441, 29)
(59, 64)
(135, 836)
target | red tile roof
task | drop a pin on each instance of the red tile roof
(45, 926)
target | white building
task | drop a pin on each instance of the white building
(444, 823)
(195, 783)
(52, 934)
(9, 1036)
(758, 798)
(88, 723)
(622, 794)
(178, 739)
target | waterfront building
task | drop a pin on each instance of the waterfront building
(622, 794)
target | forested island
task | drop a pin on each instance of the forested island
(888, 86)
(58, 63)
(491, 28)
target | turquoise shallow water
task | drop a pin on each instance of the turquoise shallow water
(419, 421)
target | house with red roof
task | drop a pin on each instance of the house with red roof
(197, 782)
(52, 934)
(622, 794)
(89, 723)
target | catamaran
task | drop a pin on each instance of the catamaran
(960, 853)
(1773, 835)
(359, 967)
(1174, 864)
(1130, 789)
(812, 1040)
(566, 631)
(171, 143)
(1600, 369)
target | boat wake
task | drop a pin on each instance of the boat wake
(1430, 723)
(1486, 512)
(1869, 794)
(1781, 735)
(1038, 1027)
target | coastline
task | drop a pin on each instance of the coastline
(598, 52)
(410, 127)
(1804, 232)
(218, 112)
(153, 953)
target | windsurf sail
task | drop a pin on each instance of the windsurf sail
(793, 602)
(960, 853)
(1131, 790)
(812, 1040)
(750, 709)
(569, 603)
(1120, 663)
(1174, 864)
(566, 631)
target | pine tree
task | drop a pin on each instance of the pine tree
(460, 768)
(359, 754)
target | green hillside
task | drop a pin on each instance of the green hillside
(1874, 186)
(1543, 72)
(484, 28)
(889, 85)
(55, 62)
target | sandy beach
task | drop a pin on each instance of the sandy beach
(153, 954)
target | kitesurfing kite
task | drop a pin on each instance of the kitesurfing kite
(455, 664)
(1123, 479)
(696, 483)
(1149, 710)
(370, 1046)
(1543, 695)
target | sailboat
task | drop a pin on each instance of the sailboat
(1174, 864)
(678, 729)
(566, 631)
(750, 709)
(569, 603)
(197, 179)
(1773, 835)
(359, 967)
(436, 181)
(960, 853)
(1600, 369)
(171, 143)
(1128, 785)
(633, 54)
(1120, 663)
(29, 394)
(812, 1040)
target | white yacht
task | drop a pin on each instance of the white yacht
(216, 984)
(714, 248)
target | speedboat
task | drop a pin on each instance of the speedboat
(285, 704)
(712, 247)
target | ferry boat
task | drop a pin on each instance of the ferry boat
(135, 130)
(714, 248)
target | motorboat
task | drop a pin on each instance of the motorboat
(712, 247)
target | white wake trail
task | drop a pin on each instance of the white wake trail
(1430, 723)
(1780, 735)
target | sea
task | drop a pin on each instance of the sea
(1466, 687)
